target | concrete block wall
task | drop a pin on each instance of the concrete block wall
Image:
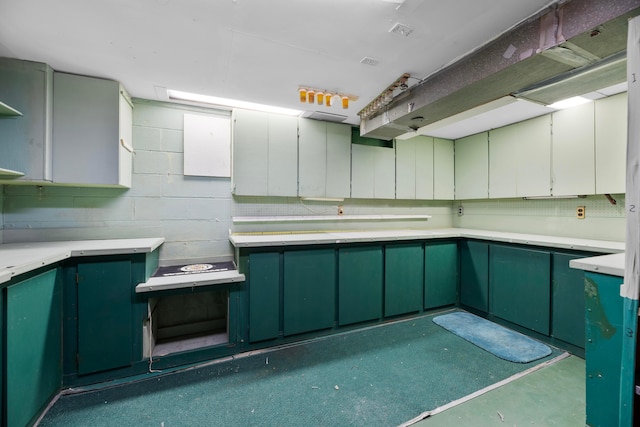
(556, 217)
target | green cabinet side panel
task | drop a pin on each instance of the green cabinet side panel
(474, 275)
(519, 286)
(309, 290)
(264, 296)
(34, 345)
(440, 274)
(404, 278)
(359, 284)
(604, 334)
(567, 301)
(104, 316)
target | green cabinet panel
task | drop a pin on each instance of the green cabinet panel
(309, 290)
(605, 335)
(474, 275)
(519, 286)
(440, 274)
(33, 346)
(264, 296)
(404, 278)
(359, 284)
(105, 336)
(567, 300)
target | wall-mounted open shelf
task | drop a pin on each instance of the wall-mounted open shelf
(303, 218)
(10, 174)
(7, 111)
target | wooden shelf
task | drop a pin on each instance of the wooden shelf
(7, 111)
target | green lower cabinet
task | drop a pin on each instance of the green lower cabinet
(309, 290)
(264, 296)
(359, 284)
(403, 278)
(607, 403)
(474, 275)
(440, 274)
(33, 346)
(567, 300)
(519, 286)
(105, 335)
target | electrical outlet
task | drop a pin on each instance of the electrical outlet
(340, 210)
(580, 212)
(460, 210)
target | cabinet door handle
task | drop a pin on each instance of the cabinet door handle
(126, 146)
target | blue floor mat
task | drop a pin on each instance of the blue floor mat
(500, 341)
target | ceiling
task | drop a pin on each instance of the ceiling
(255, 50)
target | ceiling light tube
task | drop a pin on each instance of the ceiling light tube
(228, 103)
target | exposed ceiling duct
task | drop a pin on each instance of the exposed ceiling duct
(574, 48)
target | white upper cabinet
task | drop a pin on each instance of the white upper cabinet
(472, 167)
(372, 172)
(520, 159)
(325, 159)
(414, 168)
(443, 169)
(26, 88)
(611, 144)
(424, 168)
(92, 128)
(573, 151)
(265, 154)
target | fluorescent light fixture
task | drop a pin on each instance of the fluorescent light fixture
(226, 102)
(569, 102)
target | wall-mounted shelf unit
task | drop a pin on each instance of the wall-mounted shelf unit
(8, 111)
(301, 218)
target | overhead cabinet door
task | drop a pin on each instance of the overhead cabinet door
(472, 167)
(573, 154)
(611, 144)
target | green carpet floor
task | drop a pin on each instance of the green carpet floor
(553, 396)
(380, 376)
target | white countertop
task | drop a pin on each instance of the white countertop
(612, 265)
(294, 238)
(155, 284)
(19, 258)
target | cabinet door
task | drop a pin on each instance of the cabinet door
(313, 158)
(25, 141)
(414, 168)
(440, 274)
(309, 288)
(86, 130)
(406, 169)
(611, 144)
(474, 275)
(338, 160)
(472, 167)
(384, 173)
(105, 337)
(519, 286)
(573, 151)
(403, 278)
(283, 156)
(125, 155)
(264, 296)
(443, 169)
(250, 153)
(567, 302)
(359, 284)
(362, 171)
(520, 159)
(33, 351)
